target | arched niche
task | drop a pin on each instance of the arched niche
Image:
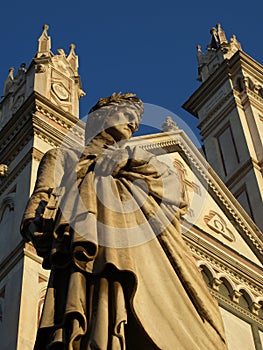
(260, 311)
(7, 205)
(225, 288)
(245, 300)
(207, 274)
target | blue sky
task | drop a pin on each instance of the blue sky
(147, 47)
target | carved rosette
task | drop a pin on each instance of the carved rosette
(60, 91)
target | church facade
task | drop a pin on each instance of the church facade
(222, 228)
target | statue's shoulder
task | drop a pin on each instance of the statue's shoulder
(61, 155)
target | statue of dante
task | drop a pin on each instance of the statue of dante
(106, 221)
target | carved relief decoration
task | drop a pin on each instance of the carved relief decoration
(8, 202)
(188, 185)
(60, 91)
(217, 224)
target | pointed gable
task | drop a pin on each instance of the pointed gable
(214, 214)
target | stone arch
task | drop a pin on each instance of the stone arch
(245, 299)
(207, 273)
(7, 203)
(260, 91)
(260, 311)
(226, 288)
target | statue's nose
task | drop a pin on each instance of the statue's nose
(132, 125)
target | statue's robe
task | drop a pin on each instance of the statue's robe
(122, 276)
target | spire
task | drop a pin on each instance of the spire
(73, 58)
(218, 50)
(9, 81)
(214, 40)
(44, 43)
(221, 35)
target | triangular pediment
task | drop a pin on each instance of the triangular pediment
(214, 215)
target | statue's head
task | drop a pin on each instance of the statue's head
(119, 115)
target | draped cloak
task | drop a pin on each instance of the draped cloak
(121, 276)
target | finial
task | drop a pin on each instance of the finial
(234, 43)
(213, 45)
(169, 125)
(61, 52)
(221, 35)
(72, 47)
(73, 58)
(45, 27)
(44, 43)
(72, 50)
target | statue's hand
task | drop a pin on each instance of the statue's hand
(41, 239)
(111, 161)
(32, 228)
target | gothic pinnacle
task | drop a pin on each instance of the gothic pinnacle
(44, 43)
(221, 34)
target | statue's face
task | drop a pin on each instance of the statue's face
(122, 123)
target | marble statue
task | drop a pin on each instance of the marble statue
(107, 224)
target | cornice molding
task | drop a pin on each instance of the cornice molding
(213, 118)
(66, 124)
(223, 264)
(11, 177)
(55, 136)
(248, 63)
(15, 137)
(228, 69)
(220, 298)
(241, 171)
(30, 252)
(207, 89)
(55, 110)
(249, 97)
(20, 129)
(214, 245)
